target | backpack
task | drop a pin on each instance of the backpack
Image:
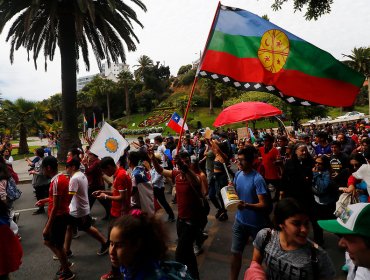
(269, 204)
(12, 192)
(314, 247)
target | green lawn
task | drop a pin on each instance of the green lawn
(16, 156)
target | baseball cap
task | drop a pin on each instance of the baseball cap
(354, 219)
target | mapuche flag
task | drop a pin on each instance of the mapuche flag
(253, 54)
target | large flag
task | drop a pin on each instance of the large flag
(109, 142)
(253, 54)
(176, 122)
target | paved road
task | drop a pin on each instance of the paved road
(38, 263)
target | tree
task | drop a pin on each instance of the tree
(54, 104)
(183, 69)
(72, 26)
(359, 60)
(144, 63)
(125, 79)
(210, 87)
(315, 8)
(23, 115)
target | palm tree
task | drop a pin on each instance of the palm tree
(125, 78)
(72, 26)
(144, 63)
(24, 115)
(359, 60)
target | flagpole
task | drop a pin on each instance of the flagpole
(286, 131)
(209, 36)
(94, 120)
(186, 112)
(196, 76)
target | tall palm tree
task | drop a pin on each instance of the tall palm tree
(359, 60)
(144, 63)
(125, 78)
(72, 26)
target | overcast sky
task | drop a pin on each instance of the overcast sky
(175, 31)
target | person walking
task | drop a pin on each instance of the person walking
(58, 215)
(251, 216)
(120, 198)
(79, 208)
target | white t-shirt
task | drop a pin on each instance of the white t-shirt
(363, 173)
(79, 206)
(161, 150)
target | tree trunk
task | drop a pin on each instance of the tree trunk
(23, 145)
(211, 111)
(108, 106)
(67, 46)
(127, 101)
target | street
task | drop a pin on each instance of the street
(213, 263)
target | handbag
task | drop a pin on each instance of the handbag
(344, 200)
(12, 192)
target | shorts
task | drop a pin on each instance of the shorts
(58, 231)
(82, 223)
(241, 234)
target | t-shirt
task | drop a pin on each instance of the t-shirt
(79, 206)
(363, 173)
(162, 150)
(268, 161)
(121, 182)
(294, 264)
(187, 198)
(248, 186)
(59, 186)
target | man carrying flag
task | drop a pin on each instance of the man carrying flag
(176, 123)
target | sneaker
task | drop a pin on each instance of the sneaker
(39, 211)
(110, 276)
(103, 249)
(219, 212)
(223, 216)
(16, 217)
(59, 272)
(93, 220)
(67, 275)
(69, 255)
(197, 250)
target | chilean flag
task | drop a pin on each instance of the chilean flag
(176, 122)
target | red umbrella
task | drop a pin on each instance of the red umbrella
(245, 111)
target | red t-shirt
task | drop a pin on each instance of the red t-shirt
(121, 182)
(187, 198)
(59, 186)
(268, 161)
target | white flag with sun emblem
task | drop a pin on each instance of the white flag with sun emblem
(109, 143)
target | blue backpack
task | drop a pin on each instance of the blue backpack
(12, 192)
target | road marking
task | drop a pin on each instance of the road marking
(25, 210)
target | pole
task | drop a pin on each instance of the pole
(286, 131)
(186, 112)
(196, 75)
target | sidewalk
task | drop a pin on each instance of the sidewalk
(21, 167)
